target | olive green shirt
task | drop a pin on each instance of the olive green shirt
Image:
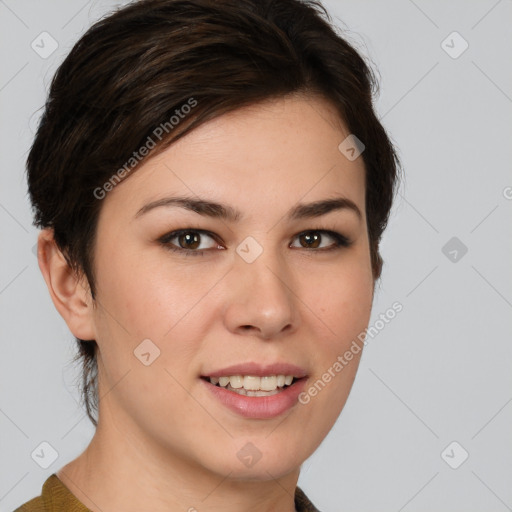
(56, 497)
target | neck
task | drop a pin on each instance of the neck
(126, 472)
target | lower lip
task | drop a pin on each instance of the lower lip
(258, 407)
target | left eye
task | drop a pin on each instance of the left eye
(313, 239)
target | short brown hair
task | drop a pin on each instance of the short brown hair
(132, 70)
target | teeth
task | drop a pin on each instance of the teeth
(236, 381)
(252, 383)
(268, 383)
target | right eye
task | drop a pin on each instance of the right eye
(187, 241)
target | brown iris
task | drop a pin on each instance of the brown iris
(191, 240)
(313, 240)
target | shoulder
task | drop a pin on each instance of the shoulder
(302, 502)
(34, 505)
(39, 503)
(55, 497)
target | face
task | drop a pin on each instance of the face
(267, 285)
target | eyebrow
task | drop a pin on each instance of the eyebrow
(228, 213)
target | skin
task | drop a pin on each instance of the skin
(162, 442)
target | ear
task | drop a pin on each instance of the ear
(70, 294)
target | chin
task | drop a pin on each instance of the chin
(259, 460)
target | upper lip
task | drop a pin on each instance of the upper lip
(259, 370)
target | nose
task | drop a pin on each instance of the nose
(261, 299)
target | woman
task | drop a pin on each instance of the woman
(212, 185)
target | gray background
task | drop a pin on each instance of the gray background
(439, 372)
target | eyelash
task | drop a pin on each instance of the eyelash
(340, 241)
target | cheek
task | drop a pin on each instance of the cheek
(146, 298)
(340, 310)
(342, 298)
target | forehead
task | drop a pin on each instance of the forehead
(258, 158)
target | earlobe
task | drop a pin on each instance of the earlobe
(70, 294)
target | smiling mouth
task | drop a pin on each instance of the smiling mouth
(252, 385)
